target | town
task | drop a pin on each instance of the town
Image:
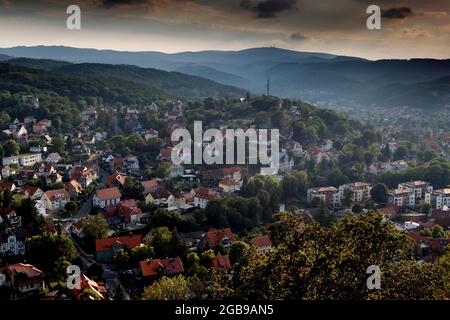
(103, 193)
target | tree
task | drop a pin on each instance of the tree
(444, 262)
(121, 259)
(58, 144)
(60, 269)
(193, 266)
(438, 231)
(379, 193)
(206, 257)
(133, 189)
(347, 198)
(237, 250)
(175, 288)
(425, 207)
(368, 158)
(310, 262)
(44, 250)
(71, 206)
(141, 253)
(166, 243)
(11, 148)
(401, 153)
(95, 227)
(4, 119)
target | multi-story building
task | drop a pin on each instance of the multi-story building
(420, 188)
(361, 191)
(55, 200)
(26, 160)
(330, 195)
(438, 198)
(402, 197)
(107, 197)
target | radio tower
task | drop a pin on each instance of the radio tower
(268, 85)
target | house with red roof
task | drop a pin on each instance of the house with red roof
(10, 186)
(33, 193)
(262, 243)
(160, 197)
(116, 179)
(203, 196)
(215, 237)
(129, 210)
(221, 263)
(429, 248)
(106, 249)
(229, 185)
(161, 267)
(106, 197)
(55, 200)
(89, 290)
(165, 154)
(74, 188)
(150, 186)
(24, 279)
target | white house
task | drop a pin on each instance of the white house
(203, 196)
(55, 200)
(26, 160)
(106, 197)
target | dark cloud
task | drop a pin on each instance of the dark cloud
(297, 36)
(268, 8)
(397, 13)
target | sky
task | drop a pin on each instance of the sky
(409, 28)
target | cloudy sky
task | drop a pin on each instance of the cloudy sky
(410, 28)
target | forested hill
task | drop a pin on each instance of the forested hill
(173, 84)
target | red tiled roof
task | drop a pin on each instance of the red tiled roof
(30, 191)
(221, 262)
(109, 193)
(230, 170)
(118, 161)
(262, 241)
(106, 244)
(51, 194)
(73, 184)
(28, 270)
(150, 185)
(116, 177)
(228, 182)
(6, 186)
(206, 193)
(166, 152)
(214, 237)
(130, 203)
(167, 266)
(160, 194)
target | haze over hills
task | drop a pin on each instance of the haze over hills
(320, 78)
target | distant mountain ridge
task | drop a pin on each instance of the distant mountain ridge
(314, 77)
(173, 84)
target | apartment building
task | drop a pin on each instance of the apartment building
(330, 195)
(402, 197)
(420, 188)
(438, 198)
(361, 191)
(26, 160)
